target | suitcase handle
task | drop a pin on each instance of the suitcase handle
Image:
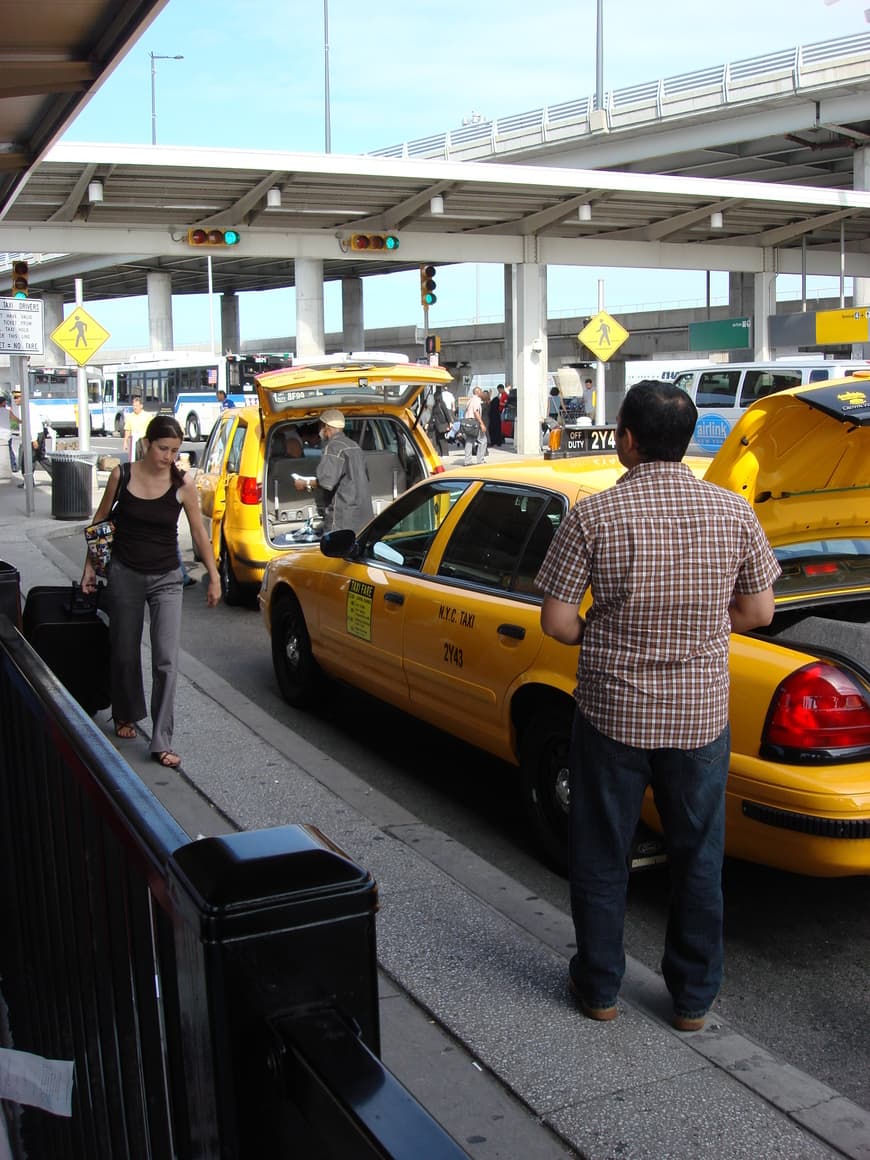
(81, 603)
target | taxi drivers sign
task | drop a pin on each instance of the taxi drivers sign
(603, 335)
(79, 336)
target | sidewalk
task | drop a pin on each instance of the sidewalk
(474, 1014)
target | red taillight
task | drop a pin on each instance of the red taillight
(250, 489)
(439, 469)
(822, 708)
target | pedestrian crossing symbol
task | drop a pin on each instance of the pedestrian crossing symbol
(603, 335)
(79, 336)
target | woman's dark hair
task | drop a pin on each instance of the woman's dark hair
(661, 417)
(166, 427)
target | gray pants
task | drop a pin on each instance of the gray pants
(129, 592)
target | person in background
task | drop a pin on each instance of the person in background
(15, 429)
(145, 571)
(341, 473)
(135, 425)
(449, 401)
(675, 565)
(224, 402)
(440, 422)
(493, 422)
(474, 410)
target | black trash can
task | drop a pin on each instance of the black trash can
(10, 593)
(73, 482)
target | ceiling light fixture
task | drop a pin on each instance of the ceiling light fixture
(436, 204)
(716, 222)
(273, 198)
(95, 191)
(584, 212)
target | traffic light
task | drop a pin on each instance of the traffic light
(201, 237)
(427, 286)
(20, 279)
(374, 242)
(433, 344)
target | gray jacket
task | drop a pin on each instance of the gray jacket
(341, 473)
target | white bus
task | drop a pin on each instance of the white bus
(54, 399)
(723, 391)
(184, 384)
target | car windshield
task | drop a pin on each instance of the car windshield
(812, 565)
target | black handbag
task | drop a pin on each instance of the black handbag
(470, 428)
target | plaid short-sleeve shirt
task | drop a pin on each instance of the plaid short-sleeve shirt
(663, 553)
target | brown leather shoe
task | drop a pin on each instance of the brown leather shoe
(599, 1014)
(687, 1022)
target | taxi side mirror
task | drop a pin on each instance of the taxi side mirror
(337, 544)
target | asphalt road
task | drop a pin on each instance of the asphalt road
(797, 949)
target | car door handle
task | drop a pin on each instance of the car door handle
(394, 598)
(515, 631)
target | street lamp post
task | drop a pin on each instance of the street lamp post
(327, 133)
(154, 57)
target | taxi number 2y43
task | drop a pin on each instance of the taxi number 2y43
(452, 654)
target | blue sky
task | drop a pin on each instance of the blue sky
(253, 77)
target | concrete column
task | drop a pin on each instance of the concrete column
(159, 286)
(764, 304)
(52, 317)
(530, 320)
(352, 324)
(509, 337)
(310, 339)
(230, 338)
(861, 180)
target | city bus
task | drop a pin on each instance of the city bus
(184, 384)
(54, 399)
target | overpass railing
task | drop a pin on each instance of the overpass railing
(218, 997)
(829, 62)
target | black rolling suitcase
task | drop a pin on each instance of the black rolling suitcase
(63, 626)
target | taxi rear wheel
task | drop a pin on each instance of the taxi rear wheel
(295, 667)
(231, 590)
(544, 747)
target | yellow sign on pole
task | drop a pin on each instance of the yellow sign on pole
(836, 326)
(603, 335)
(79, 336)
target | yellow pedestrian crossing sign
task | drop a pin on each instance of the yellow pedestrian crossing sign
(603, 335)
(79, 336)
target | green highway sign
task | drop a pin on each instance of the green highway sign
(723, 334)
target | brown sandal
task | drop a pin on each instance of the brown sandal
(126, 730)
(167, 758)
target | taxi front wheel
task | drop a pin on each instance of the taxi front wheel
(544, 745)
(295, 667)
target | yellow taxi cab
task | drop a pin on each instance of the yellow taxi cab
(250, 506)
(433, 608)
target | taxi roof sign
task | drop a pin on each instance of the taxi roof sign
(603, 335)
(79, 336)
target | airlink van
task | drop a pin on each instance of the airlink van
(723, 391)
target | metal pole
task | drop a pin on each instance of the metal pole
(210, 306)
(842, 264)
(599, 55)
(327, 128)
(599, 369)
(156, 56)
(84, 421)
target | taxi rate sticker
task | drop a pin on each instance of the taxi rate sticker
(359, 609)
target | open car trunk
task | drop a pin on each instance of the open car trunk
(291, 517)
(833, 630)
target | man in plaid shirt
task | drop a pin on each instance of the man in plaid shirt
(675, 565)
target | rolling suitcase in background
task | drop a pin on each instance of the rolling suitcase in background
(63, 626)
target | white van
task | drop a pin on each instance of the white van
(723, 391)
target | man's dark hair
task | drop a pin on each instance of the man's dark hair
(661, 417)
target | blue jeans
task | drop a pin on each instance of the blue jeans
(607, 781)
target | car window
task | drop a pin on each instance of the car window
(403, 533)
(759, 384)
(502, 538)
(717, 389)
(214, 453)
(234, 458)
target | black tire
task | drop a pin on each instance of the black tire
(118, 427)
(191, 429)
(544, 746)
(295, 667)
(232, 591)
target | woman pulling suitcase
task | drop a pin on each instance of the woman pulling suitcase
(145, 570)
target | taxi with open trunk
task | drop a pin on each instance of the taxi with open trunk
(433, 608)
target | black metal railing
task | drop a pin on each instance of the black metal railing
(218, 997)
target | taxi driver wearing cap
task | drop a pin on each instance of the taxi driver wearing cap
(341, 473)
